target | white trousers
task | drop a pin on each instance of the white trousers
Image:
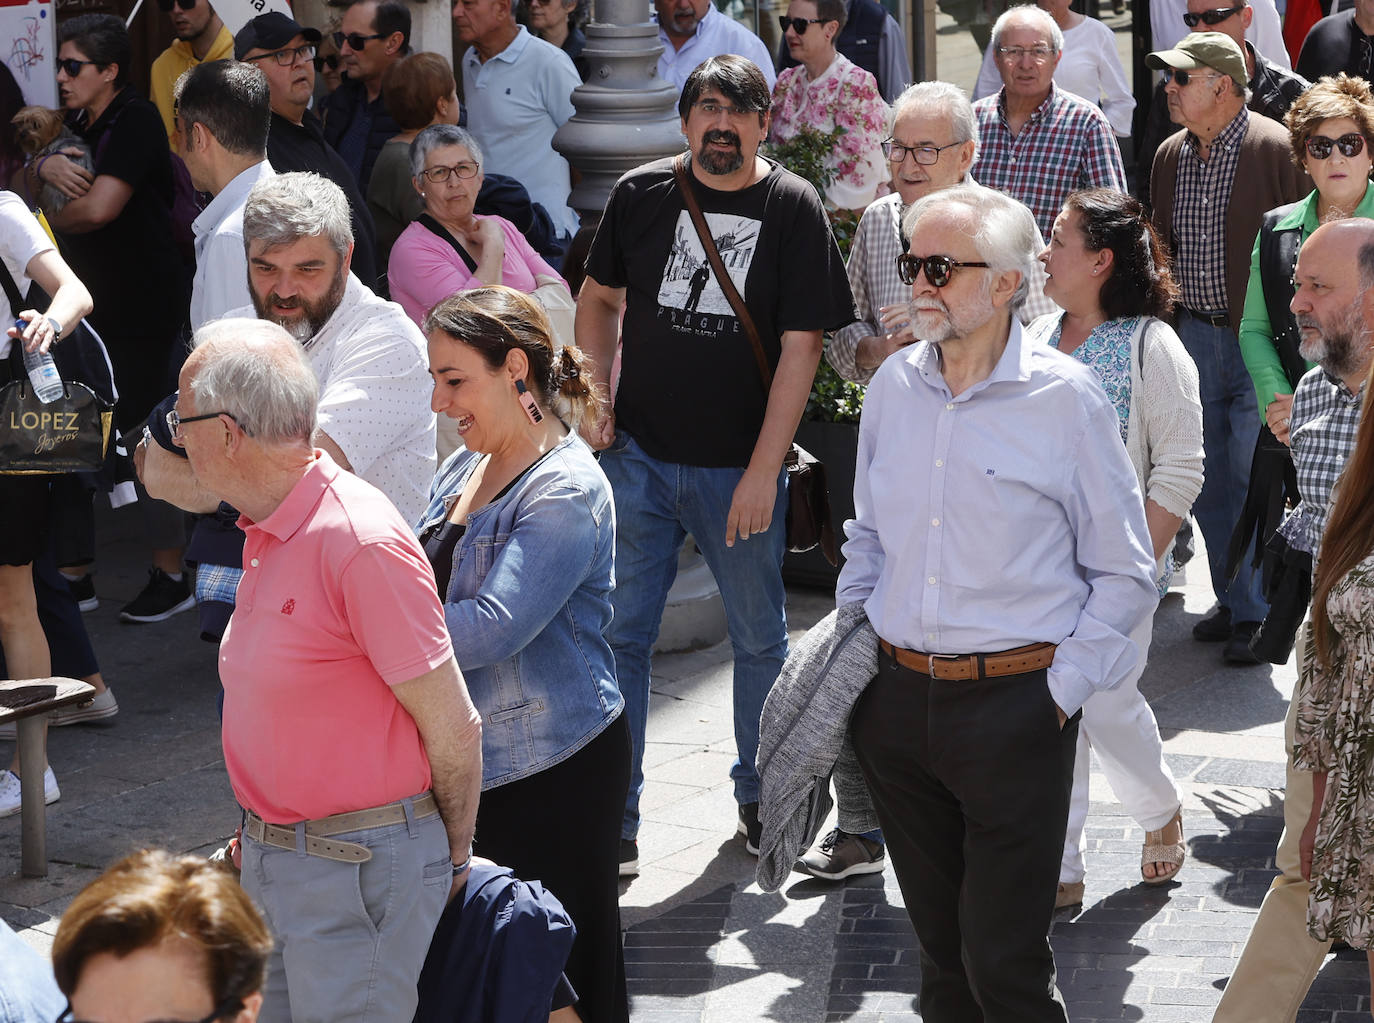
(1121, 729)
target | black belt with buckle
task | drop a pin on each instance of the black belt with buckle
(1211, 319)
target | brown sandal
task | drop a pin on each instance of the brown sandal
(1157, 850)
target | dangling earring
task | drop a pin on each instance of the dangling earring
(528, 403)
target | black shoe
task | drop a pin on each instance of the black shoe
(629, 857)
(1215, 628)
(83, 592)
(1237, 650)
(160, 599)
(750, 827)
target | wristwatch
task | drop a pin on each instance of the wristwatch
(56, 328)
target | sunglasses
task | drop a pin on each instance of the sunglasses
(166, 5)
(329, 60)
(355, 40)
(72, 66)
(798, 25)
(939, 269)
(1319, 146)
(1213, 17)
(1182, 78)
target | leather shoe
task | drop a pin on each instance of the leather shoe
(1237, 649)
(1215, 628)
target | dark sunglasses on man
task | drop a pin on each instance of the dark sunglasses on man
(355, 40)
(185, 5)
(1182, 78)
(1319, 146)
(939, 269)
(1213, 17)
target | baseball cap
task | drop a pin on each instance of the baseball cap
(270, 31)
(1215, 50)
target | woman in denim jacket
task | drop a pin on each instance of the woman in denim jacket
(521, 533)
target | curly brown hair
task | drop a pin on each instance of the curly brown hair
(1330, 97)
(1140, 283)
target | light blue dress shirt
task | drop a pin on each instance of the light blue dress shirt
(716, 34)
(1007, 515)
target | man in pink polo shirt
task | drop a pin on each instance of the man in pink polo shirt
(348, 733)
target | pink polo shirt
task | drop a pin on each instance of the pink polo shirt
(337, 604)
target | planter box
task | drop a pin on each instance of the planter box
(837, 445)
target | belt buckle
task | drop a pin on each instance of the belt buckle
(932, 658)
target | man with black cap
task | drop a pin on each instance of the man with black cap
(1191, 187)
(285, 53)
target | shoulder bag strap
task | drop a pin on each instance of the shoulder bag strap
(708, 243)
(1140, 329)
(17, 304)
(436, 228)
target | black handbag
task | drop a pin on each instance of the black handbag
(70, 434)
(809, 519)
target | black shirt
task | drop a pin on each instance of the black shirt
(301, 147)
(690, 389)
(1336, 44)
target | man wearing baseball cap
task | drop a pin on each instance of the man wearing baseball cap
(285, 52)
(1211, 237)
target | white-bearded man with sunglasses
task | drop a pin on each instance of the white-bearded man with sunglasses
(1003, 562)
(1197, 172)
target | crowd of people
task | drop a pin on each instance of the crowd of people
(409, 437)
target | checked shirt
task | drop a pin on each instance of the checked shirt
(1065, 145)
(1201, 200)
(1324, 420)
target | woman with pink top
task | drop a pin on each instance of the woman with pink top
(827, 91)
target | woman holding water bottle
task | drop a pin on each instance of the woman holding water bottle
(28, 254)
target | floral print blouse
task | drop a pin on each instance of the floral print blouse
(844, 96)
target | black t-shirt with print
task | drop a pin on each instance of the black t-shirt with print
(690, 390)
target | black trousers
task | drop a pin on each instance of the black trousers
(971, 783)
(561, 826)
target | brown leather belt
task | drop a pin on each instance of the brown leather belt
(968, 667)
(317, 831)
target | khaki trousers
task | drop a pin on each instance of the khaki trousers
(1280, 959)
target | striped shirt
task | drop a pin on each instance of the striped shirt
(1066, 144)
(1202, 197)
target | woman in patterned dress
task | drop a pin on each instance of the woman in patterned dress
(1334, 732)
(1106, 270)
(826, 91)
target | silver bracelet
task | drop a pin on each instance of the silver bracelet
(458, 868)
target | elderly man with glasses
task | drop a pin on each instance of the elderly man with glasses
(1004, 568)
(1036, 142)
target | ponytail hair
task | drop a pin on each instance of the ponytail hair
(495, 319)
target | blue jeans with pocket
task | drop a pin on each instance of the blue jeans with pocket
(657, 504)
(349, 939)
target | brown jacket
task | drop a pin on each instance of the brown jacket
(1265, 178)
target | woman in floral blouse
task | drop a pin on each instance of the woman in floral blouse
(1334, 732)
(827, 91)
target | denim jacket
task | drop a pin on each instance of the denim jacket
(527, 605)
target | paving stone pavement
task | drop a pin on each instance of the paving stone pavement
(703, 943)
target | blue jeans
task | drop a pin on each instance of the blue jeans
(1230, 427)
(349, 939)
(656, 505)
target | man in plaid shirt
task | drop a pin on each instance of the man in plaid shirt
(1037, 143)
(1334, 306)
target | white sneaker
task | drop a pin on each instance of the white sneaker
(10, 796)
(101, 705)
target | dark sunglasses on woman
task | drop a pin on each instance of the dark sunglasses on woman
(1319, 146)
(798, 25)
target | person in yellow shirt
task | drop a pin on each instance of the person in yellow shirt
(200, 36)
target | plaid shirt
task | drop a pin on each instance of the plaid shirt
(1201, 199)
(1323, 424)
(1066, 144)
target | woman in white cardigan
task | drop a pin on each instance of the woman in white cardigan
(1107, 271)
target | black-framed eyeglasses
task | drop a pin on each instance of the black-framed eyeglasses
(438, 175)
(1213, 17)
(355, 40)
(798, 25)
(329, 60)
(924, 155)
(288, 56)
(229, 1007)
(1013, 54)
(1319, 146)
(185, 5)
(72, 66)
(939, 269)
(175, 423)
(1182, 78)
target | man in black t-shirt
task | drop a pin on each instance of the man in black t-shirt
(697, 439)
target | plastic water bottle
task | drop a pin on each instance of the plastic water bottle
(43, 374)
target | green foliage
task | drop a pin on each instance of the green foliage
(833, 399)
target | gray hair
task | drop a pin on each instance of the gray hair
(1002, 229)
(940, 98)
(437, 136)
(253, 370)
(285, 208)
(1031, 13)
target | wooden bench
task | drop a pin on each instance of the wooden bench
(27, 702)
